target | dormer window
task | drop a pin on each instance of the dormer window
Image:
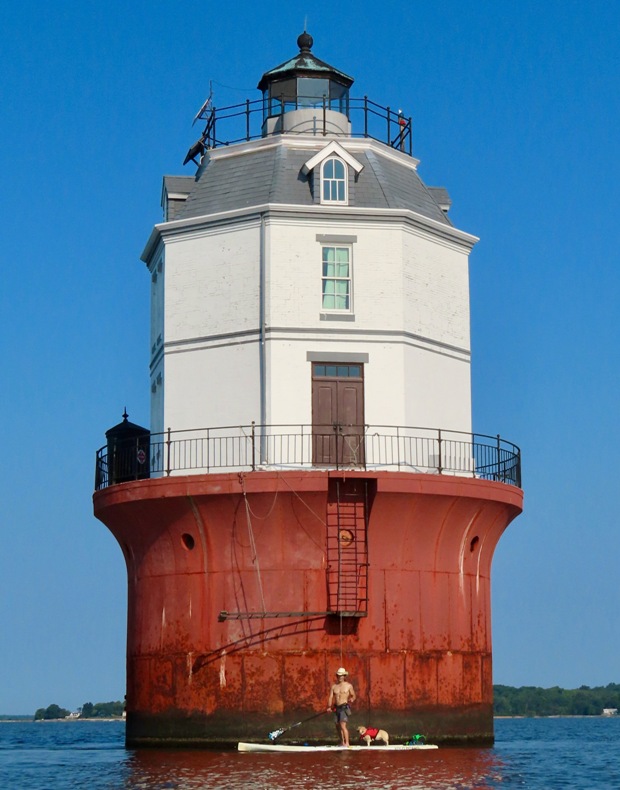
(333, 181)
(331, 166)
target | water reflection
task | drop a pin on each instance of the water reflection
(186, 770)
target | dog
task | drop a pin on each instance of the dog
(369, 734)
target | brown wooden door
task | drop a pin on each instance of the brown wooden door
(338, 414)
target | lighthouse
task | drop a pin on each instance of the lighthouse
(309, 493)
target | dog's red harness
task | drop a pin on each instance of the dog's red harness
(371, 732)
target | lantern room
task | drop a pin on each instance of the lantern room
(304, 85)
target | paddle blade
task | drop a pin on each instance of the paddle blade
(275, 734)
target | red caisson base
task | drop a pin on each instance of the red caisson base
(247, 591)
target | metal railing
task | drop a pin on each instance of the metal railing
(261, 447)
(244, 122)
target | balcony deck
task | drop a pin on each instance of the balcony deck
(250, 120)
(291, 447)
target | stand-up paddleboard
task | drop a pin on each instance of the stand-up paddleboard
(277, 747)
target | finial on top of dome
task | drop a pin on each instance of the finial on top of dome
(305, 42)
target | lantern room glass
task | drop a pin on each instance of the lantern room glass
(302, 93)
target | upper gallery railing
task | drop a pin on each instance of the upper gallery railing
(244, 122)
(337, 446)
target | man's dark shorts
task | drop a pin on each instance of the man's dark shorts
(342, 713)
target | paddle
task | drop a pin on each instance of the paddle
(276, 733)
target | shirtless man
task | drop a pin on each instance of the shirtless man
(340, 695)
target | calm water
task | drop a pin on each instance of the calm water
(529, 753)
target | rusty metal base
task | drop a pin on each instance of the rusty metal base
(419, 658)
(224, 730)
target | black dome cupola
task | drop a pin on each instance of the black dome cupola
(304, 82)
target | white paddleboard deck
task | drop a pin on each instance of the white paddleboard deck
(277, 747)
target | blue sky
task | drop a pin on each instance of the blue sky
(515, 110)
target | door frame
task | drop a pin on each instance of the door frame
(337, 441)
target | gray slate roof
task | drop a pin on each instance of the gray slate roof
(274, 175)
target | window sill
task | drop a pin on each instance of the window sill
(337, 316)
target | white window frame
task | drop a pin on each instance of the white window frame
(336, 277)
(334, 182)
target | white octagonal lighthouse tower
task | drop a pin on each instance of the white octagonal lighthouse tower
(310, 492)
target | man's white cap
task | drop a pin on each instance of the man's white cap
(342, 671)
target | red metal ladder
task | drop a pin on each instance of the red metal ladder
(347, 548)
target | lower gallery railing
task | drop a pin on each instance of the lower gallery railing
(337, 446)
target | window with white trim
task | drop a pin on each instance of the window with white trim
(333, 181)
(336, 278)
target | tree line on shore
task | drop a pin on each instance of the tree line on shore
(100, 710)
(508, 701)
(555, 701)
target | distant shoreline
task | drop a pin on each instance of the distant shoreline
(27, 719)
(561, 716)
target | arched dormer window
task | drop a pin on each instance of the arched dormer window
(333, 181)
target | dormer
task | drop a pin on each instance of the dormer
(175, 190)
(332, 173)
(441, 197)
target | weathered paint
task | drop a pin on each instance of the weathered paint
(199, 545)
